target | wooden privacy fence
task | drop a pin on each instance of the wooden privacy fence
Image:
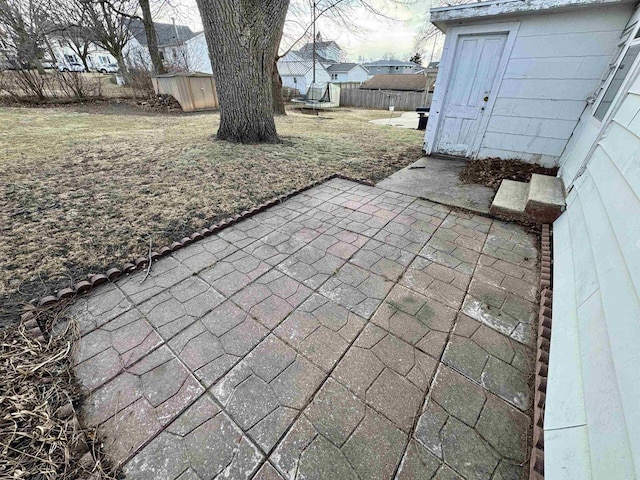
(380, 99)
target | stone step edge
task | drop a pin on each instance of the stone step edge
(497, 208)
(536, 196)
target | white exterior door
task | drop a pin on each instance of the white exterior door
(471, 84)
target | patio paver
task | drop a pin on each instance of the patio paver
(349, 332)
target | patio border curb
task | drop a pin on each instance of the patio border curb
(29, 317)
(545, 315)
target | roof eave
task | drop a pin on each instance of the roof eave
(441, 17)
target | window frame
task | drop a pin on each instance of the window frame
(632, 40)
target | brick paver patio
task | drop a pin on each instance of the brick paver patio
(349, 332)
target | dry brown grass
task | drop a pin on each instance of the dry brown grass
(86, 188)
(36, 385)
(95, 85)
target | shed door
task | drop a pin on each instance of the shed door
(471, 84)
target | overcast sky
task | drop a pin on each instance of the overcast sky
(375, 36)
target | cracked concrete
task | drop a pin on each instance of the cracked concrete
(349, 332)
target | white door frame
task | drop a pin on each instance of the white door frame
(444, 77)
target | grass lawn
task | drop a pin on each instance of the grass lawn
(85, 188)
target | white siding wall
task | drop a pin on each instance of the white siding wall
(137, 54)
(592, 416)
(300, 82)
(197, 55)
(357, 74)
(322, 75)
(556, 63)
(342, 77)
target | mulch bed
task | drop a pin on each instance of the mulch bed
(40, 435)
(491, 171)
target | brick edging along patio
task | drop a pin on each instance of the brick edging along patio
(536, 470)
(29, 318)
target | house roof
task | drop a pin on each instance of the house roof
(441, 16)
(308, 47)
(341, 67)
(165, 32)
(408, 83)
(306, 51)
(390, 63)
(294, 68)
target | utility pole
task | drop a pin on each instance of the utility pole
(313, 58)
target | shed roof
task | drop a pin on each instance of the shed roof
(442, 16)
(409, 83)
(184, 74)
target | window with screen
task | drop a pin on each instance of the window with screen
(618, 79)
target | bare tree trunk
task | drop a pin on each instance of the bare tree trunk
(85, 64)
(276, 90)
(243, 36)
(122, 64)
(152, 39)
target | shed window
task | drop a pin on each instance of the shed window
(616, 82)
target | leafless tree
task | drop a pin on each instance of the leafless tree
(110, 28)
(428, 36)
(336, 14)
(144, 15)
(25, 25)
(69, 19)
(243, 37)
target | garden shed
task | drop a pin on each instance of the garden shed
(515, 76)
(193, 91)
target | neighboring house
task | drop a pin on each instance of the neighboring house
(391, 67)
(347, 72)
(326, 51)
(97, 57)
(197, 54)
(171, 43)
(297, 72)
(558, 82)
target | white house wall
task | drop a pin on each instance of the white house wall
(358, 74)
(95, 54)
(298, 82)
(556, 63)
(592, 419)
(137, 54)
(197, 55)
(322, 75)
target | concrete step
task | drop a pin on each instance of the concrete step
(510, 201)
(545, 202)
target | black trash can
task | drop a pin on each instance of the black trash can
(423, 117)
